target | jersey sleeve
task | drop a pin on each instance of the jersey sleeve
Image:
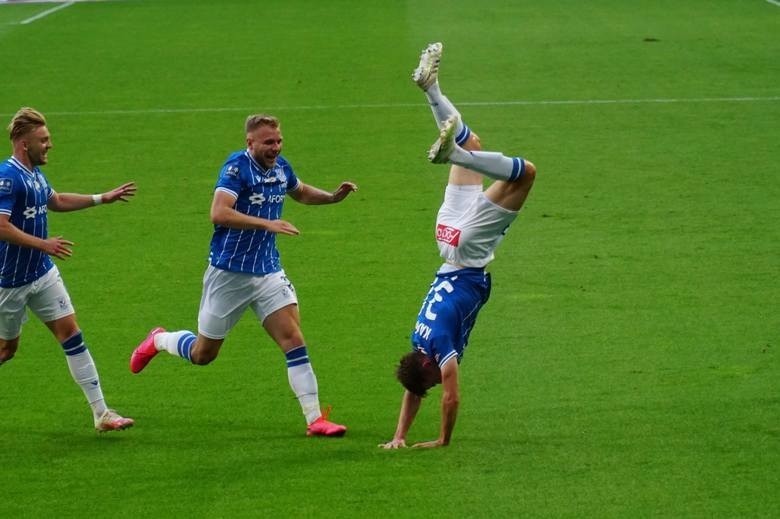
(292, 179)
(7, 194)
(229, 180)
(444, 348)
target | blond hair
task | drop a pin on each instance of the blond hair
(24, 121)
(256, 121)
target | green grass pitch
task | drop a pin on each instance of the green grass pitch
(626, 365)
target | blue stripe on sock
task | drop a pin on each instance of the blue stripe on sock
(463, 136)
(518, 168)
(184, 345)
(297, 356)
(74, 345)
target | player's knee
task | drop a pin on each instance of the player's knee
(7, 353)
(201, 358)
(529, 172)
(472, 143)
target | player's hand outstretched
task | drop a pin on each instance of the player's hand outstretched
(282, 227)
(58, 247)
(123, 193)
(343, 190)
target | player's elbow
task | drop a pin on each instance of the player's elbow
(218, 216)
(529, 172)
(450, 400)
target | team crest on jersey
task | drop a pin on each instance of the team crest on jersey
(231, 171)
(6, 185)
(447, 234)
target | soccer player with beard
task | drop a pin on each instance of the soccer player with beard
(244, 267)
(28, 277)
(470, 225)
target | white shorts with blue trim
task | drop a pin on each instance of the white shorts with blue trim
(227, 295)
(47, 297)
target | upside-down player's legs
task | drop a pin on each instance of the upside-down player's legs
(512, 195)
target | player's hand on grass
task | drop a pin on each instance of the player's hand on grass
(428, 445)
(394, 444)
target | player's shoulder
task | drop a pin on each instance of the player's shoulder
(237, 158)
(283, 162)
(234, 164)
(7, 168)
(9, 177)
(285, 165)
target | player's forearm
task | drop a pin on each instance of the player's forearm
(410, 404)
(311, 195)
(63, 202)
(12, 234)
(229, 217)
(449, 413)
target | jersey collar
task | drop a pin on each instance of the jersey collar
(13, 160)
(257, 165)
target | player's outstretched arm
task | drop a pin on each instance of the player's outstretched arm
(450, 400)
(310, 195)
(409, 407)
(63, 202)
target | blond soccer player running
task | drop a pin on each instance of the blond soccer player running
(28, 276)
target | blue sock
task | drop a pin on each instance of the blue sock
(178, 343)
(184, 345)
(297, 356)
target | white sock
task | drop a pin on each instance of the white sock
(84, 373)
(303, 383)
(490, 163)
(177, 344)
(443, 109)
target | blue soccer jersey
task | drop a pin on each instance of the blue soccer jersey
(24, 196)
(449, 312)
(259, 192)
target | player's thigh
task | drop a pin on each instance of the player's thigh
(273, 292)
(226, 295)
(277, 309)
(13, 302)
(512, 195)
(49, 299)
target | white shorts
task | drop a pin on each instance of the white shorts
(469, 227)
(226, 295)
(47, 297)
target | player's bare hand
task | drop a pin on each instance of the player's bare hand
(393, 444)
(343, 190)
(122, 193)
(428, 445)
(58, 247)
(282, 227)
